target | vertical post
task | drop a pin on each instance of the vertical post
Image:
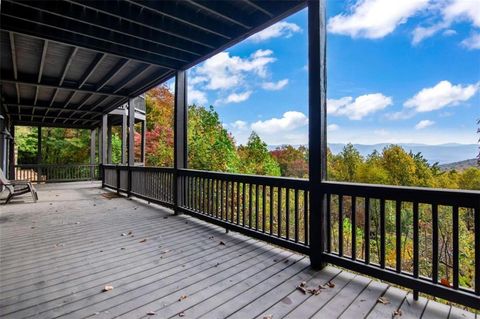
(180, 138)
(144, 132)
(39, 153)
(92, 153)
(104, 139)
(109, 143)
(317, 129)
(124, 139)
(131, 142)
(11, 160)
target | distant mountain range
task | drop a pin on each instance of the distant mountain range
(459, 166)
(441, 153)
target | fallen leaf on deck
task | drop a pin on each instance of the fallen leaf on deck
(330, 284)
(397, 313)
(123, 248)
(216, 265)
(182, 297)
(268, 317)
(303, 284)
(123, 234)
(143, 240)
(445, 282)
(165, 217)
(222, 243)
(33, 227)
(383, 300)
(107, 288)
(129, 233)
(151, 313)
(181, 314)
(211, 237)
(286, 261)
(165, 251)
(314, 292)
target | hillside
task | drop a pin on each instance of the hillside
(459, 166)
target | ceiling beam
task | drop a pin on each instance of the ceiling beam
(60, 87)
(61, 35)
(52, 108)
(40, 73)
(51, 124)
(112, 73)
(51, 117)
(258, 7)
(137, 16)
(78, 107)
(94, 34)
(91, 17)
(13, 53)
(132, 77)
(218, 13)
(182, 15)
(91, 68)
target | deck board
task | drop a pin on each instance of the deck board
(58, 254)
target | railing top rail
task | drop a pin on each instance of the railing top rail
(53, 165)
(254, 179)
(439, 196)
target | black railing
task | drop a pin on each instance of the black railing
(53, 173)
(270, 208)
(405, 235)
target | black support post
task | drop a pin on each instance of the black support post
(131, 143)
(124, 139)
(104, 139)
(11, 154)
(180, 139)
(39, 153)
(317, 130)
(92, 153)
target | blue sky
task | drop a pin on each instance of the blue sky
(398, 72)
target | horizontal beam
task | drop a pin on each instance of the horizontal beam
(138, 16)
(224, 13)
(184, 15)
(51, 108)
(51, 117)
(91, 31)
(50, 124)
(61, 87)
(82, 13)
(42, 31)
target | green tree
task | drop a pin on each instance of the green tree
(256, 159)
(210, 146)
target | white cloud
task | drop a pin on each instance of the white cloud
(333, 127)
(275, 86)
(279, 29)
(240, 125)
(424, 124)
(360, 107)
(290, 121)
(449, 32)
(223, 71)
(374, 19)
(441, 95)
(472, 42)
(197, 97)
(235, 98)
(450, 11)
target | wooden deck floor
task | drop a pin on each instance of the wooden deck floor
(58, 254)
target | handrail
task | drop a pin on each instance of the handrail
(49, 173)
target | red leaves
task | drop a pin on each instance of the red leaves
(445, 282)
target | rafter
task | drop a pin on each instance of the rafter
(181, 16)
(91, 68)
(51, 108)
(217, 13)
(91, 17)
(60, 87)
(259, 8)
(111, 9)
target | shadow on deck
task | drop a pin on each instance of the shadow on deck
(57, 256)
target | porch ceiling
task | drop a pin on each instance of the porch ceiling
(65, 63)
